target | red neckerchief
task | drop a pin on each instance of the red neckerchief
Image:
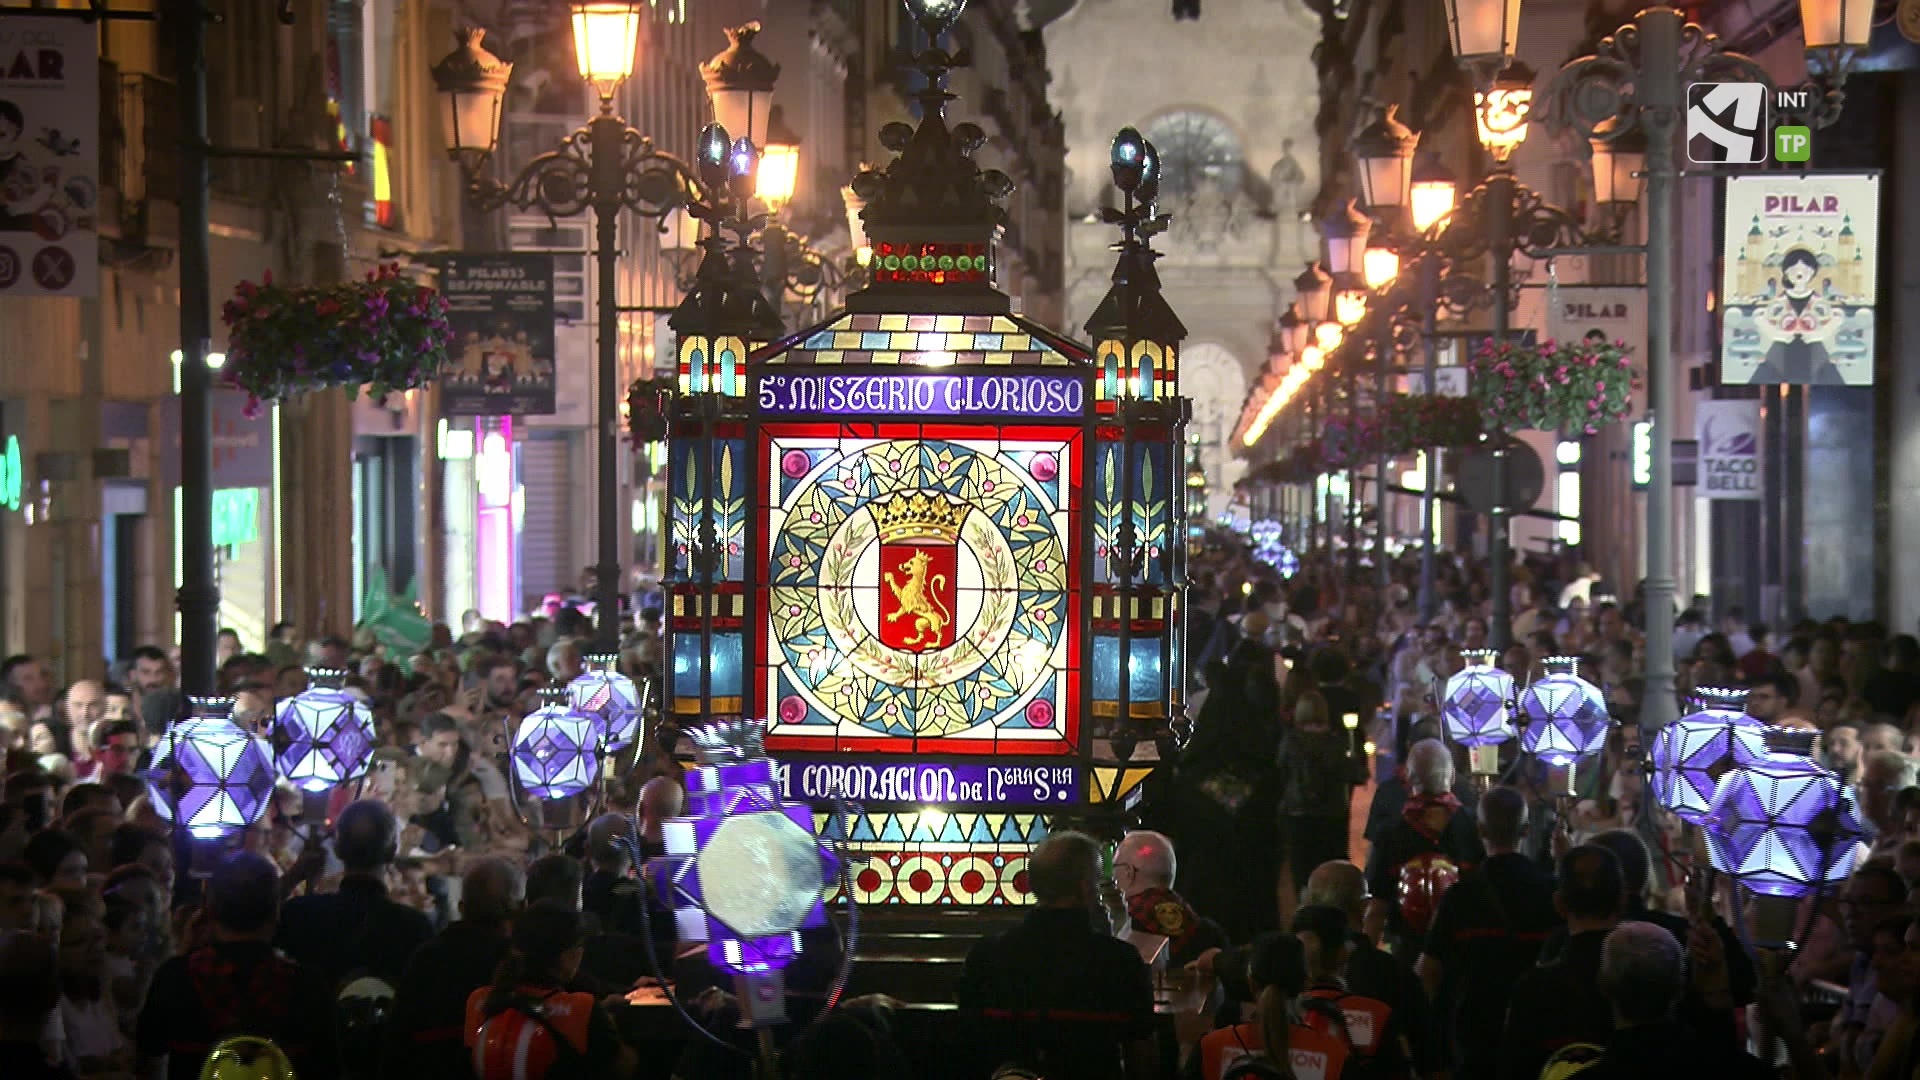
(1429, 814)
(1162, 911)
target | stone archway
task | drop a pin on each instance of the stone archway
(1214, 380)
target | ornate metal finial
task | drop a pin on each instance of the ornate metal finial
(327, 677)
(740, 66)
(470, 65)
(725, 299)
(730, 742)
(933, 215)
(1134, 308)
(1794, 741)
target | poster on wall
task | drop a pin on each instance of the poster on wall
(1798, 277)
(49, 157)
(1729, 438)
(500, 308)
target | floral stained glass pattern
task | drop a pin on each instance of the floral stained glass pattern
(920, 590)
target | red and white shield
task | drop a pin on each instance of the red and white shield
(917, 586)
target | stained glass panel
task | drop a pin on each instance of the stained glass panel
(920, 592)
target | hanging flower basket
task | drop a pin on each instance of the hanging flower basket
(1345, 442)
(648, 405)
(1572, 387)
(1414, 422)
(385, 333)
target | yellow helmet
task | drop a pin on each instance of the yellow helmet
(1571, 1060)
(246, 1057)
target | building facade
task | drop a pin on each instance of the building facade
(1229, 101)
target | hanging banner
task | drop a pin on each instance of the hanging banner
(1729, 437)
(500, 308)
(49, 157)
(1798, 279)
(242, 441)
(1602, 313)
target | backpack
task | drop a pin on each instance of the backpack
(1424, 879)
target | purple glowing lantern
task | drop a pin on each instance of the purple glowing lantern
(610, 698)
(1477, 707)
(323, 736)
(1564, 719)
(210, 773)
(556, 751)
(1690, 755)
(1783, 827)
(747, 872)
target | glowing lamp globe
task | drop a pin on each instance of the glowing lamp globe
(1782, 825)
(610, 698)
(747, 873)
(323, 737)
(556, 750)
(1477, 709)
(1690, 755)
(210, 773)
(1563, 718)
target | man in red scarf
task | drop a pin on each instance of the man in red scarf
(1143, 871)
(1434, 835)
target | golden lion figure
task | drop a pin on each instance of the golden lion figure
(918, 602)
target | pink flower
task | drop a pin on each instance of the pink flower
(1624, 362)
(252, 408)
(1591, 430)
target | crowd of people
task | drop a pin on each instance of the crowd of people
(1346, 899)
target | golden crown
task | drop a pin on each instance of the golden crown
(919, 516)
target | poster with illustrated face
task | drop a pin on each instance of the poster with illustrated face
(49, 157)
(501, 310)
(1799, 273)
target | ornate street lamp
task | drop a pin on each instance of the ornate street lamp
(1313, 294)
(1483, 33)
(606, 39)
(1293, 330)
(606, 168)
(1835, 31)
(1618, 163)
(473, 85)
(740, 85)
(779, 171)
(1385, 150)
(1379, 266)
(1433, 193)
(1345, 231)
(1502, 110)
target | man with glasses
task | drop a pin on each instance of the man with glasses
(1143, 871)
(116, 750)
(1875, 894)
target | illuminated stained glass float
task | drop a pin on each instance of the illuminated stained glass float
(935, 545)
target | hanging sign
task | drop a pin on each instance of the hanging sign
(500, 308)
(49, 157)
(1800, 267)
(242, 440)
(1601, 314)
(1049, 396)
(1729, 436)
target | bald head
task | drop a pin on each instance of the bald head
(1144, 861)
(1337, 884)
(660, 799)
(606, 842)
(1430, 767)
(491, 891)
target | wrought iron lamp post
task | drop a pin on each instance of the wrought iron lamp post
(1632, 89)
(604, 167)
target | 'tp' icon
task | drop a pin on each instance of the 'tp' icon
(1792, 142)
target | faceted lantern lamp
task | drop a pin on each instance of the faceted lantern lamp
(1565, 719)
(611, 698)
(210, 773)
(1783, 827)
(323, 736)
(1477, 708)
(747, 873)
(1690, 755)
(556, 750)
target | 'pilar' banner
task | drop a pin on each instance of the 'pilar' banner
(1798, 279)
(1605, 313)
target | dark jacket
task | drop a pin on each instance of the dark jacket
(1554, 1005)
(1671, 1051)
(424, 1036)
(1053, 993)
(198, 1000)
(355, 931)
(1486, 935)
(1316, 773)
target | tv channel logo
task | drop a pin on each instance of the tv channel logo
(1727, 123)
